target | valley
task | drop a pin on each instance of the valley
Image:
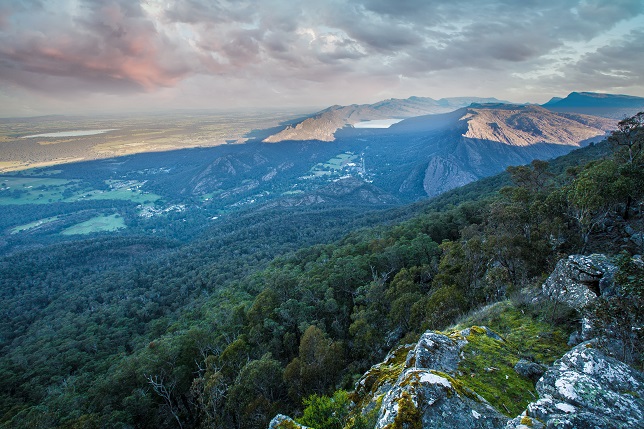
(182, 191)
(224, 285)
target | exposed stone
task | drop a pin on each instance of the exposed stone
(524, 422)
(574, 339)
(528, 369)
(578, 280)
(435, 351)
(381, 377)
(432, 398)
(425, 393)
(281, 421)
(586, 389)
(638, 238)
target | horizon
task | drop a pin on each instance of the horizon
(99, 58)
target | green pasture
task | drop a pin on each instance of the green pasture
(32, 190)
(43, 190)
(32, 225)
(334, 164)
(101, 223)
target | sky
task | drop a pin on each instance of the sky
(103, 56)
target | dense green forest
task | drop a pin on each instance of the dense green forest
(276, 309)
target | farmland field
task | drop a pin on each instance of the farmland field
(32, 225)
(101, 223)
(42, 190)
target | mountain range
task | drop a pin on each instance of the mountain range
(613, 106)
(323, 125)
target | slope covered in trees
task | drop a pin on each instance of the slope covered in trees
(236, 327)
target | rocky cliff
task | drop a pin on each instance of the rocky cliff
(476, 378)
(586, 389)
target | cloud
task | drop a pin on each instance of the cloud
(110, 46)
(612, 67)
(320, 50)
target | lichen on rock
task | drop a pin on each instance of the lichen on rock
(281, 421)
(585, 388)
(578, 280)
(426, 396)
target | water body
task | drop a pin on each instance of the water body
(70, 133)
(377, 123)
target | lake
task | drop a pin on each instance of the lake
(77, 133)
(377, 123)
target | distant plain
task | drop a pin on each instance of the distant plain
(28, 142)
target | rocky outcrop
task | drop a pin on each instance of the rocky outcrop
(442, 175)
(421, 386)
(528, 369)
(586, 389)
(424, 392)
(579, 280)
(281, 421)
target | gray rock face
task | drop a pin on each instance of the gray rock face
(435, 351)
(281, 421)
(578, 280)
(442, 175)
(432, 398)
(424, 391)
(586, 389)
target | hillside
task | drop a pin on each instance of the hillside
(436, 153)
(529, 125)
(249, 320)
(323, 125)
(179, 193)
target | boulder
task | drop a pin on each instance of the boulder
(579, 280)
(424, 394)
(435, 351)
(528, 369)
(281, 421)
(587, 389)
(431, 399)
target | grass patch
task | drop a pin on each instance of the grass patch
(44, 190)
(103, 223)
(488, 366)
(333, 165)
(32, 190)
(32, 225)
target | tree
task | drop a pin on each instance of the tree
(630, 135)
(257, 392)
(323, 412)
(593, 194)
(317, 366)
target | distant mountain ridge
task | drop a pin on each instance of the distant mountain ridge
(616, 106)
(435, 153)
(323, 125)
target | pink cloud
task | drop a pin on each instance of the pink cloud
(113, 46)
